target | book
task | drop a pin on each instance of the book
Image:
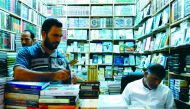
(77, 34)
(165, 16)
(108, 59)
(107, 47)
(120, 22)
(131, 59)
(47, 106)
(19, 96)
(108, 72)
(101, 34)
(61, 90)
(149, 26)
(187, 36)
(89, 104)
(25, 12)
(28, 85)
(78, 10)
(101, 23)
(18, 107)
(111, 102)
(123, 34)
(10, 102)
(187, 7)
(127, 10)
(157, 21)
(147, 45)
(101, 11)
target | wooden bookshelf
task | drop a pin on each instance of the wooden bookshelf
(91, 16)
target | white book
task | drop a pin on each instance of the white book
(147, 46)
(116, 48)
(61, 90)
(111, 102)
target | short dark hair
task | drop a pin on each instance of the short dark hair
(48, 23)
(158, 70)
(31, 33)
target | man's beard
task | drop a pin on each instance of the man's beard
(49, 45)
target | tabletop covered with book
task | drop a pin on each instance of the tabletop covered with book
(43, 95)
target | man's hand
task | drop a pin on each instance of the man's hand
(61, 75)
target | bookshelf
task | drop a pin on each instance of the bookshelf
(177, 25)
(15, 17)
(19, 15)
(107, 25)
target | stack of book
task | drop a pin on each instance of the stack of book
(11, 58)
(2, 91)
(89, 104)
(59, 96)
(180, 89)
(176, 63)
(114, 87)
(89, 90)
(23, 94)
(187, 61)
(3, 64)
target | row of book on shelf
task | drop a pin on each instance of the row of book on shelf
(179, 63)
(180, 35)
(100, 34)
(89, 1)
(28, 13)
(180, 89)
(119, 10)
(117, 22)
(180, 9)
(121, 47)
(153, 23)
(145, 60)
(160, 41)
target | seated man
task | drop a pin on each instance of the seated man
(27, 38)
(42, 61)
(149, 91)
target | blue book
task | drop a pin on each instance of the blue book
(28, 85)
